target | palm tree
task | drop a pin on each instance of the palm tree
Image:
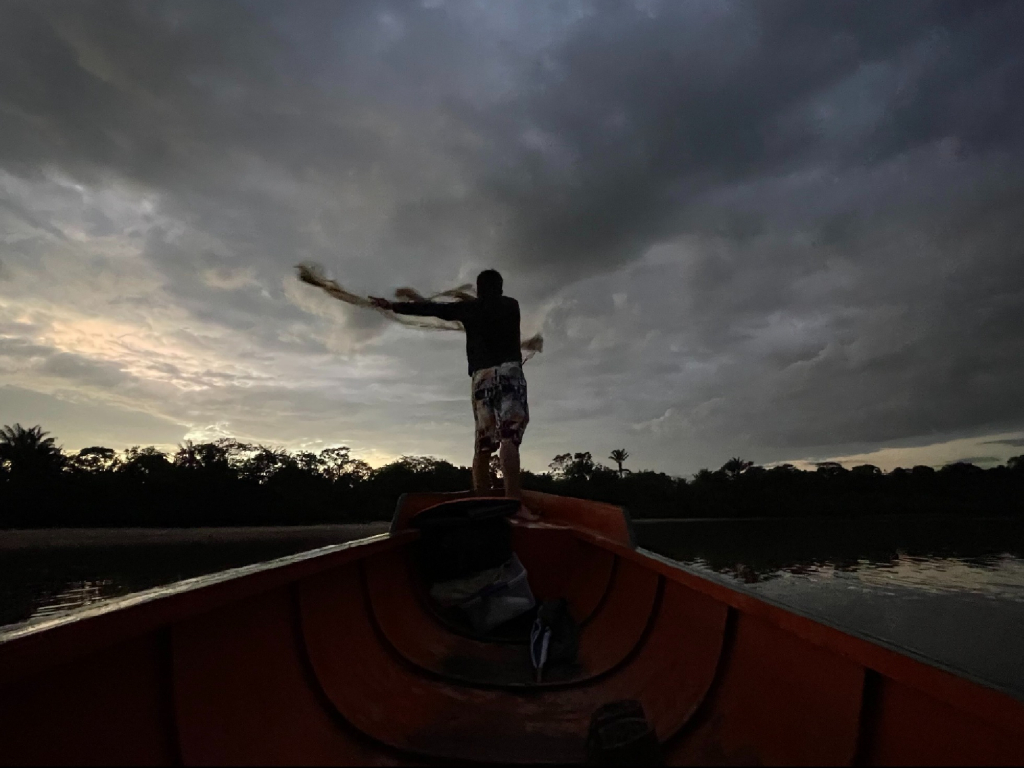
(736, 466)
(29, 451)
(619, 455)
(187, 455)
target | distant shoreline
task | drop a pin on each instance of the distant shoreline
(317, 535)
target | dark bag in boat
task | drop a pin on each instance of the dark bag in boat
(555, 638)
(464, 537)
(508, 597)
(620, 734)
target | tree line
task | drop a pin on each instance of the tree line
(229, 482)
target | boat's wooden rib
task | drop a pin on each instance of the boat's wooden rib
(905, 726)
(776, 701)
(244, 695)
(414, 632)
(421, 714)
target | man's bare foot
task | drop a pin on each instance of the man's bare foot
(526, 514)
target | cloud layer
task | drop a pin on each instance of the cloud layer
(785, 230)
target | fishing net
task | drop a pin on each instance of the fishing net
(313, 274)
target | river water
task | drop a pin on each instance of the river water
(948, 589)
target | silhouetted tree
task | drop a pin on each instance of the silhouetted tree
(581, 467)
(264, 463)
(227, 482)
(961, 468)
(560, 465)
(209, 457)
(143, 463)
(830, 469)
(619, 455)
(866, 470)
(736, 466)
(93, 460)
(29, 453)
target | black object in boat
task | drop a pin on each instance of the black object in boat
(464, 537)
(620, 735)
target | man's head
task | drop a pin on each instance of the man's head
(489, 284)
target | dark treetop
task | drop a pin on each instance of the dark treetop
(492, 327)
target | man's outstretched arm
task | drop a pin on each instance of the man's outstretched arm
(443, 310)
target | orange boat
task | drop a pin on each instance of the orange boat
(338, 656)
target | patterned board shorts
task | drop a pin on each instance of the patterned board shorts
(499, 406)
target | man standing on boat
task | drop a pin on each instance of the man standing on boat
(500, 408)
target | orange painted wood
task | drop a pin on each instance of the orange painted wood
(244, 696)
(96, 628)
(111, 708)
(903, 726)
(678, 661)
(605, 520)
(421, 639)
(560, 564)
(380, 694)
(777, 702)
(971, 699)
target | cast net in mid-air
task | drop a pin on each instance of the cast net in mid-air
(313, 274)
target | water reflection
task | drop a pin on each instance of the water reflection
(996, 576)
(74, 595)
(920, 549)
(950, 590)
(39, 582)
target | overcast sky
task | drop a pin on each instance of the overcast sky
(779, 230)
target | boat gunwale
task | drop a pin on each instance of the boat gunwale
(945, 684)
(28, 647)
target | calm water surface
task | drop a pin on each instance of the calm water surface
(43, 574)
(948, 589)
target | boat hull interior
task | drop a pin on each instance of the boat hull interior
(340, 657)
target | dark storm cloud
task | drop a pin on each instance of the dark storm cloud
(834, 187)
(1013, 443)
(637, 113)
(587, 161)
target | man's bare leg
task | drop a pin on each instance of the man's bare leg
(508, 453)
(482, 471)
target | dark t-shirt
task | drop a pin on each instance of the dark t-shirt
(492, 327)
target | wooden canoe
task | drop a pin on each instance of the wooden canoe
(336, 656)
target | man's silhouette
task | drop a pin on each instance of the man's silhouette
(500, 407)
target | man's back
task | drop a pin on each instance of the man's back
(492, 331)
(491, 323)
